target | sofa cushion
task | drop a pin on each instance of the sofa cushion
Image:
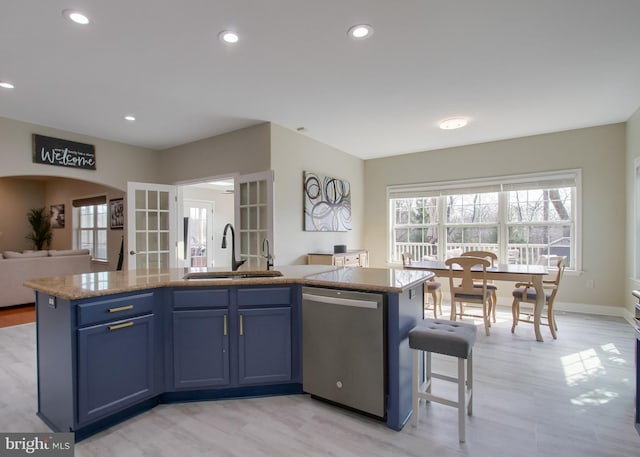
(24, 255)
(62, 252)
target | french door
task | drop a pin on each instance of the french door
(254, 217)
(198, 228)
(151, 226)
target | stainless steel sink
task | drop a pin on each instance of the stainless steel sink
(232, 274)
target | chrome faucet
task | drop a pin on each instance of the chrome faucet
(268, 255)
(235, 264)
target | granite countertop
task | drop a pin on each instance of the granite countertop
(88, 285)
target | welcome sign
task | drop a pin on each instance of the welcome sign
(63, 153)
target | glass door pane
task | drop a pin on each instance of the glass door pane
(254, 213)
(150, 238)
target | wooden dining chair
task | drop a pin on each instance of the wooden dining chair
(525, 292)
(467, 291)
(493, 258)
(431, 287)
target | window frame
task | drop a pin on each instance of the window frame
(78, 205)
(502, 184)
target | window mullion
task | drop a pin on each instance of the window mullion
(503, 230)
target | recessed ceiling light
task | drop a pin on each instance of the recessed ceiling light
(360, 31)
(6, 85)
(229, 37)
(453, 123)
(130, 118)
(76, 16)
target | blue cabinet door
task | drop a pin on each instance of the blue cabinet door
(264, 344)
(115, 366)
(200, 348)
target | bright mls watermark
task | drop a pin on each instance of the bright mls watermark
(36, 444)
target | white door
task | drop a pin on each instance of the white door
(254, 216)
(151, 233)
(198, 226)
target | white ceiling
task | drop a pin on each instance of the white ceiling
(513, 67)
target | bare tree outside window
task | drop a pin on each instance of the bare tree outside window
(521, 226)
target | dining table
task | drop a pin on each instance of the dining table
(533, 274)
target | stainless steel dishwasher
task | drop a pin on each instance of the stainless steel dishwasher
(344, 348)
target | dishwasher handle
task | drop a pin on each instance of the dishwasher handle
(369, 304)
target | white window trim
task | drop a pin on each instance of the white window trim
(76, 226)
(636, 219)
(440, 188)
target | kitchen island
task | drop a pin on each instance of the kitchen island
(114, 344)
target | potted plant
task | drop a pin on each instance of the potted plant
(41, 233)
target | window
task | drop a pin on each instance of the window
(90, 226)
(524, 219)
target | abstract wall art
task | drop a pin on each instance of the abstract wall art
(327, 203)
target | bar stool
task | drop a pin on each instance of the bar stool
(446, 337)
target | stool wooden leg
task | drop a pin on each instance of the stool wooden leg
(494, 304)
(434, 296)
(462, 400)
(415, 399)
(515, 311)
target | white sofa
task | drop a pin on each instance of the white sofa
(17, 267)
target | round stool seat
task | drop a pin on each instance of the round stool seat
(443, 337)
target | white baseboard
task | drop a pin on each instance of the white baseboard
(613, 311)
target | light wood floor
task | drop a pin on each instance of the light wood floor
(571, 397)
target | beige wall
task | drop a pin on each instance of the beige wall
(291, 154)
(64, 191)
(242, 151)
(598, 151)
(116, 163)
(633, 215)
(17, 197)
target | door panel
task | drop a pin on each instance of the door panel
(254, 216)
(199, 231)
(151, 235)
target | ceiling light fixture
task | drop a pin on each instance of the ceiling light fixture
(229, 37)
(360, 31)
(6, 85)
(453, 123)
(76, 16)
(130, 118)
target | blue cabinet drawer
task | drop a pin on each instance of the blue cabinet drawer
(264, 296)
(115, 367)
(114, 309)
(200, 298)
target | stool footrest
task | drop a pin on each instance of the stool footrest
(444, 377)
(424, 394)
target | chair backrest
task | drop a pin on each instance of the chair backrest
(467, 263)
(491, 256)
(553, 284)
(406, 258)
(562, 264)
